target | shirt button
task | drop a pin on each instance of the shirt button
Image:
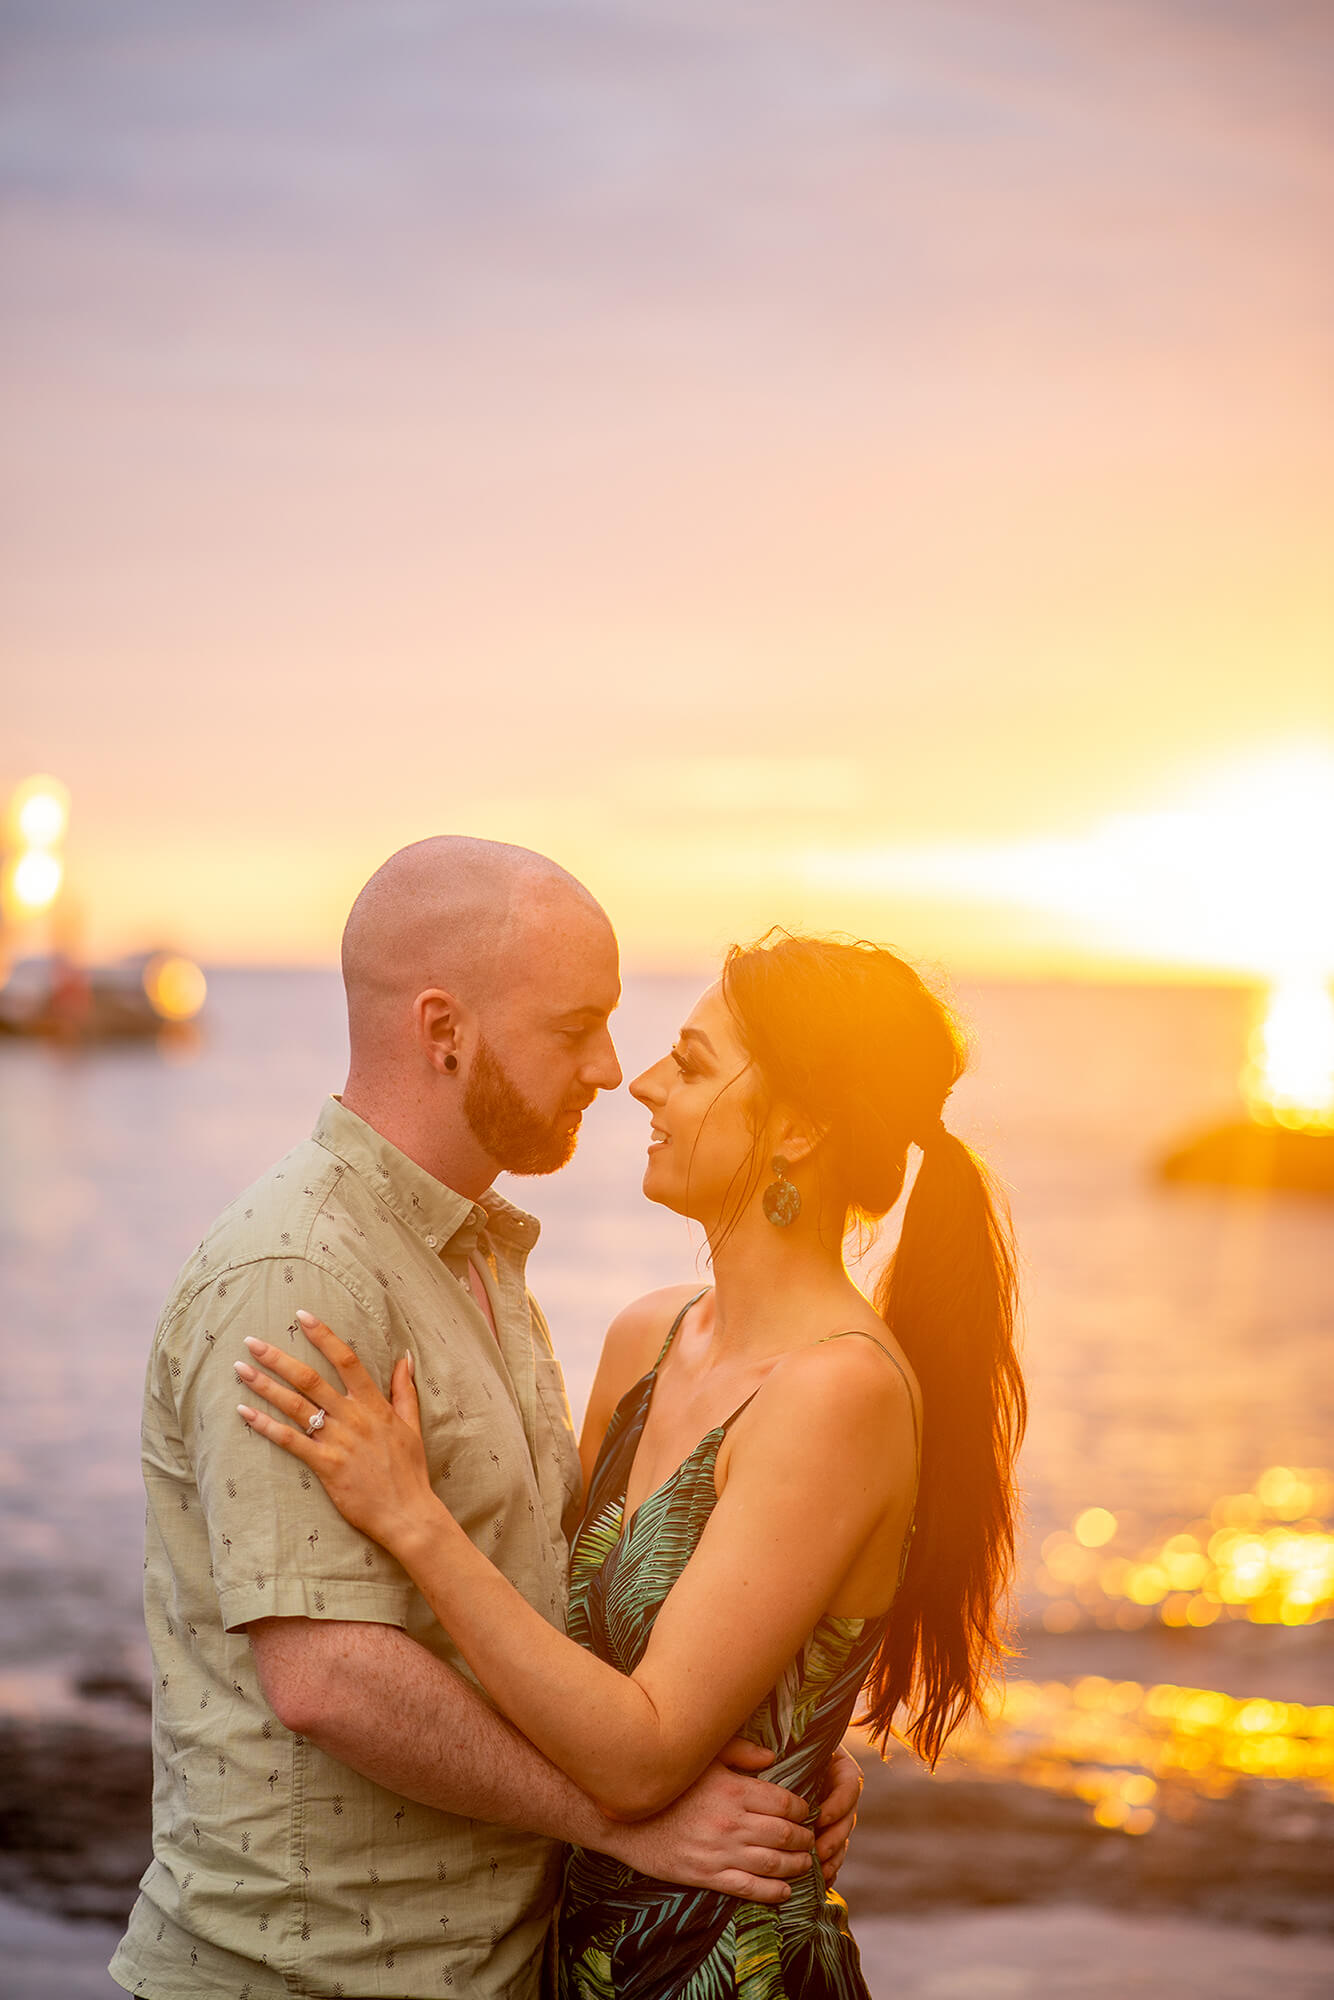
(431, 1242)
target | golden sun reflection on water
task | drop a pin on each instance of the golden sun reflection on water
(1266, 1556)
(1134, 1751)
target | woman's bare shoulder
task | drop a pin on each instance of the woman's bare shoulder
(634, 1338)
(832, 1429)
(855, 1360)
(848, 1393)
(632, 1344)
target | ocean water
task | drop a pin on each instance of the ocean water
(1178, 1340)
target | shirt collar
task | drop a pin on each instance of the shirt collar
(446, 1222)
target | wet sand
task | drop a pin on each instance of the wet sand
(1062, 1953)
(1069, 1952)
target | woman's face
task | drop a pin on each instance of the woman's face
(701, 1099)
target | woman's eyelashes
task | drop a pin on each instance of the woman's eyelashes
(684, 1066)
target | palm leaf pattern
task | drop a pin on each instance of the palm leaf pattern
(624, 1936)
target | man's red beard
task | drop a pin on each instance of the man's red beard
(506, 1125)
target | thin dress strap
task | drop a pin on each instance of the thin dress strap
(671, 1331)
(860, 1333)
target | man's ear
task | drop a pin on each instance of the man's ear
(441, 1029)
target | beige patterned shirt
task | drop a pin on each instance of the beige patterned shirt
(277, 1870)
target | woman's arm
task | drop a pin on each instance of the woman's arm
(825, 1450)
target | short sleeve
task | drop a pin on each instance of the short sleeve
(279, 1547)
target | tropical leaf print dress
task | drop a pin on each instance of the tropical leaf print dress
(625, 1936)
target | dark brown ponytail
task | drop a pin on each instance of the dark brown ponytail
(948, 1295)
(850, 1035)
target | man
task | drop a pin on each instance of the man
(337, 1808)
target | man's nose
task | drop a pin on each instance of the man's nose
(604, 1071)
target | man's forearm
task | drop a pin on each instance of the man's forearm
(377, 1701)
(374, 1699)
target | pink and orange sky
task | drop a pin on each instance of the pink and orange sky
(753, 454)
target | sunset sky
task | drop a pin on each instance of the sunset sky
(754, 454)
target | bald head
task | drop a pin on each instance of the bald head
(480, 980)
(454, 913)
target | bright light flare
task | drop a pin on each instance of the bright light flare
(1221, 879)
(36, 880)
(176, 988)
(39, 809)
(1289, 1079)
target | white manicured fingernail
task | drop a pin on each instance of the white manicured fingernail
(307, 1319)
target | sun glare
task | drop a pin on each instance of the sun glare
(1289, 1079)
(1231, 878)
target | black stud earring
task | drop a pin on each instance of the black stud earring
(782, 1200)
(451, 1062)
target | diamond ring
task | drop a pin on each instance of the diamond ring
(316, 1423)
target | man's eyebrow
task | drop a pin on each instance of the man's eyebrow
(698, 1035)
(581, 1013)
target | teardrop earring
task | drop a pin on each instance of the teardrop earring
(781, 1199)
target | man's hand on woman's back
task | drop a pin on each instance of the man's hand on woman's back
(731, 1830)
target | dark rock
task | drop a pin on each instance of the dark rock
(114, 1684)
(75, 1814)
(1264, 1855)
(1245, 1154)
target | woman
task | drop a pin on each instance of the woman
(771, 1463)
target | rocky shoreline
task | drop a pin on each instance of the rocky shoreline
(75, 1812)
(1262, 1857)
(76, 1802)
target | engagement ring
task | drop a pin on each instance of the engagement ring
(316, 1423)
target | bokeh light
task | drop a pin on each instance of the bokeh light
(1094, 1527)
(1266, 1556)
(36, 879)
(175, 986)
(1133, 1751)
(36, 821)
(41, 811)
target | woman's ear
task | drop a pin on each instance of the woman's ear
(795, 1139)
